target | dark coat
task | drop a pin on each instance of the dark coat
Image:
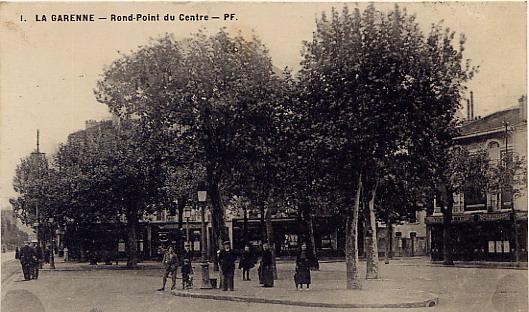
(187, 255)
(302, 275)
(38, 252)
(247, 260)
(187, 268)
(27, 255)
(227, 261)
(267, 269)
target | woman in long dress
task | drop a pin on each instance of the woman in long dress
(267, 269)
(302, 275)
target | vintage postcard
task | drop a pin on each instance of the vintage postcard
(256, 156)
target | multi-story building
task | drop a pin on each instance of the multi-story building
(482, 223)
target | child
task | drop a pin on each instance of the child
(247, 262)
(187, 271)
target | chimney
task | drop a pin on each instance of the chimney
(468, 110)
(471, 105)
(522, 102)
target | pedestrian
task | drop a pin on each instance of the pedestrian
(36, 261)
(220, 268)
(187, 266)
(302, 275)
(247, 262)
(26, 260)
(267, 268)
(227, 265)
(47, 254)
(38, 251)
(170, 262)
(187, 271)
(17, 253)
(187, 253)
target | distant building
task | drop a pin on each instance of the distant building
(482, 222)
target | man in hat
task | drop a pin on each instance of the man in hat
(36, 260)
(170, 261)
(26, 255)
(227, 265)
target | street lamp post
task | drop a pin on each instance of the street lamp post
(187, 215)
(52, 237)
(202, 195)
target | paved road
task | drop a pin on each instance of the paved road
(460, 289)
(10, 265)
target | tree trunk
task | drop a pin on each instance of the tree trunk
(372, 246)
(388, 239)
(262, 221)
(132, 238)
(270, 238)
(181, 204)
(447, 227)
(217, 215)
(351, 249)
(311, 246)
(245, 226)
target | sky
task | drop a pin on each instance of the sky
(48, 70)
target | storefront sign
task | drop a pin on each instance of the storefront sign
(461, 218)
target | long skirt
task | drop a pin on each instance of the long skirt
(267, 276)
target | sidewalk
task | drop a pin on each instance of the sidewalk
(327, 291)
(403, 284)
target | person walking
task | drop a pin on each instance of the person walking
(302, 275)
(17, 253)
(227, 265)
(38, 251)
(170, 261)
(267, 269)
(26, 260)
(247, 262)
(36, 261)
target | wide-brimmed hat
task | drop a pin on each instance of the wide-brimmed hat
(226, 243)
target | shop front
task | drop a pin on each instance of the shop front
(480, 236)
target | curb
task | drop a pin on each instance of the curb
(480, 265)
(420, 304)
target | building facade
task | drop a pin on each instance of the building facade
(483, 222)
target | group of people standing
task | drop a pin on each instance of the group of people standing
(227, 258)
(29, 257)
(226, 261)
(171, 261)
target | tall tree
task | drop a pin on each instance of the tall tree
(111, 174)
(367, 76)
(195, 89)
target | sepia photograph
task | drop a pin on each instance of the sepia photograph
(263, 156)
